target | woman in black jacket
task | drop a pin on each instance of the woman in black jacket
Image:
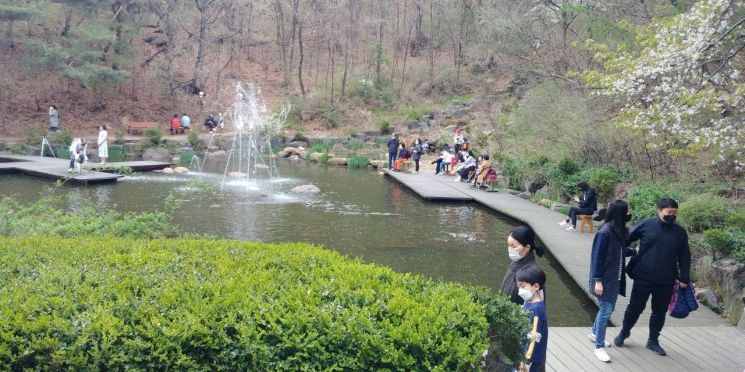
(607, 279)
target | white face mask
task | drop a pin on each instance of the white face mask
(525, 294)
(514, 255)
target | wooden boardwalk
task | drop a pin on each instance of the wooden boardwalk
(55, 169)
(572, 251)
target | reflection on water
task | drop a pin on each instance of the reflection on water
(357, 213)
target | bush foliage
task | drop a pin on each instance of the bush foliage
(703, 211)
(119, 303)
(643, 201)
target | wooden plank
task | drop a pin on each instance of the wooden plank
(718, 345)
(618, 358)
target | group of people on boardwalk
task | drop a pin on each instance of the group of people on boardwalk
(458, 160)
(662, 261)
(79, 150)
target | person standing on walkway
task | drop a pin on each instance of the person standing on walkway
(588, 204)
(458, 140)
(531, 281)
(392, 150)
(418, 150)
(53, 118)
(521, 249)
(607, 279)
(664, 258)
(103, 144)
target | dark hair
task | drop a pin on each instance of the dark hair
(582, 185)
(666, 203)
(175, 115)
(403, 145)
(485, 156)
(103, 126)
(525, 236)
(470, 153)
(616, 217)
(531, 274)
(54, 106)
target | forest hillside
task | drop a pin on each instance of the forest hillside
(649, 88)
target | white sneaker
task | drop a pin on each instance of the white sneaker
(592, 338)
(564, 223)
(571, 228)
(602, 355)
(457, 179)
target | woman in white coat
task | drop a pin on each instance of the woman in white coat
(103, 146)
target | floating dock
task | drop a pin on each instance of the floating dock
(693, 342)
(56, 169)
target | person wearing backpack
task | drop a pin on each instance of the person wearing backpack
(664, 258)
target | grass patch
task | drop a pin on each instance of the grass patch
(358, 162)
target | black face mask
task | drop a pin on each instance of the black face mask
(628, 217)
(669, 219)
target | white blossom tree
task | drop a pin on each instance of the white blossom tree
(681, 82)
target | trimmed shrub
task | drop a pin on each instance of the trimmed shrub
(385, 127)
(115, 303)
(604, 180)
(154, 136)
(701, 212)
(736, 220)
(193, 139)
(643, 201)
(719, 241)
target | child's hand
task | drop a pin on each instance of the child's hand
(599, 288)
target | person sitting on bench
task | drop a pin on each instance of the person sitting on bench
(588, 204)
(469, 165)
(403, 156)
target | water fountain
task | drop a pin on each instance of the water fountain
(251, 149)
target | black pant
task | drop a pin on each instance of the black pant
(640, 293)
(416, 165)
(574, 211)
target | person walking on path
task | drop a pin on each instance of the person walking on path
(103, 145)
(418, 150)
(53, 118)
(392, 150)
(588, 204)
(521, 249)
(664, 258)
(607, 279)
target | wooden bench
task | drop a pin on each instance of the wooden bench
(140, 126)
(177, 130)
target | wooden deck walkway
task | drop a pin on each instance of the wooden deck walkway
(572, 251)
(55, 169)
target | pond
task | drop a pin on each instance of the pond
(357, 213)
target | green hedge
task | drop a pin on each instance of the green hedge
(117, 303)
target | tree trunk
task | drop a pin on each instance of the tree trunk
(300, 62)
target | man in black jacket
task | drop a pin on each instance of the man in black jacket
(664, 258)
(392, 150)
(588, 204)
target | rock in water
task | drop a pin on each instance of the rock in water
(262, 166)
(168, 170)
(237, 174)
(180, 170)
(307, 189)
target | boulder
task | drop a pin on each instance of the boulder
(307, 115)
(707, 297)
(306, 189)
(316, 157)
(167, 170)
(295, 157)
(338, 148)
(261, 166)
(378, 164)
(621, 191)
(237, 174)
(217, 154)
(297, 144)
(157, 154)
(180, 170)
(535, 184)
(525, 195)
(458, 115)
(337, 162)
